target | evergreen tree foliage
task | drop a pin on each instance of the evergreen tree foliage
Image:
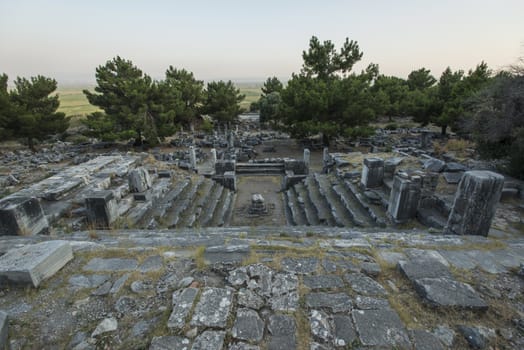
(34, 108)
(222, 101)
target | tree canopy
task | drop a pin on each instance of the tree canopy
(30, 110)
(222, 101)
(322, 60)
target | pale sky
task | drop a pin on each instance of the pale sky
(250, 41)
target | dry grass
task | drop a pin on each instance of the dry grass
(198, 256)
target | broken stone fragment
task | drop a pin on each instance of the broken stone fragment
(107, 325)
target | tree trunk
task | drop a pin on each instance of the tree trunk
(31, 144)
(325, 140)
(443, 130)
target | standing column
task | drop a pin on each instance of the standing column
(213, 157)
(475, 203)
(404, 197)
(192, 157)
(307, 157)
(372, 172)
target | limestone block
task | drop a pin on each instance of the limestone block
(101, 209)
(372, 172)
(475, 203)
(139, 180)
(32, 264)
(22, 216)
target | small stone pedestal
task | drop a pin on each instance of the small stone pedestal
(22, 216)
(372, 172)
(475, 203)
(101, 209)
(258, 205)
(404, 197)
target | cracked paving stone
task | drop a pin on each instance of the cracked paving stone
(363, 284)
(213, 308)
(169, 343)
(331, 266)
(337, 302)
(182, 303)
(323, 281)
(380, 328)
(300, 265)
(344, 331)
(91, 281)
(369, 303)
(209, 340)
(243, 346)
(320, 326)
(282, 330)
(249, 298)
(371, 269)
(444, 292)
(248, 326)
(151, 263)
(424, 340)
(112, 264)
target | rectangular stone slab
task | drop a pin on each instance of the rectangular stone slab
(34, 263)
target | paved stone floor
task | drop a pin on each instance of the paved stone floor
(291, 288)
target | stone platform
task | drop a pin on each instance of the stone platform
(269, 288)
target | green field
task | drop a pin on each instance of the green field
(74, 103)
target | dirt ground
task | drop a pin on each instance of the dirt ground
(269, 188)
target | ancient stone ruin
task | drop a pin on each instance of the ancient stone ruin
(213, 245)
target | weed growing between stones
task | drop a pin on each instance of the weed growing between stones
(198, 257)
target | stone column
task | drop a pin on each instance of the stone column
(192, 157)
(307, 157)
(22, 216)
(475, 203)
(230, 140)
(424, 139)
(213, 157)
(404, 197)
(372, 172)
(325, 155)
(101, 209)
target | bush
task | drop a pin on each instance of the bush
(516, 155)
(359, 131)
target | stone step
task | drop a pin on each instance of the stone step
(211, 204)
(229, 209)
(169, 199)
(179, 208)
(309, 209)
(319, 202)
(141, 212)
(340, 214)
(298, 216)
(260, 168)
(375, 212)
(358, 214)
(195, 209)
(223, 205)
